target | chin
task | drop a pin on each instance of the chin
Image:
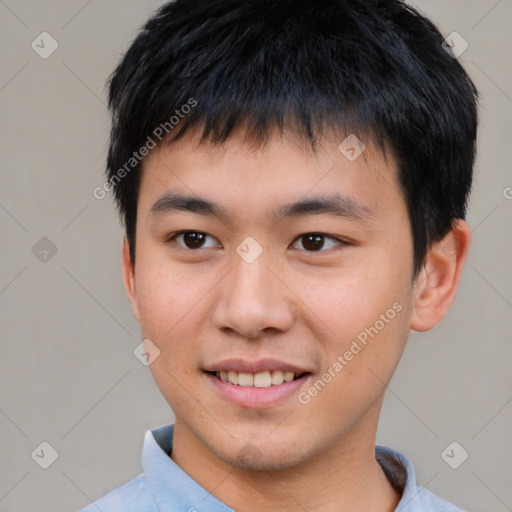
(265, 455)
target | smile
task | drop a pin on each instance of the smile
(264, 379)
(261, 390)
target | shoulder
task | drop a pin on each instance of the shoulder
(400, 472)
(434, 503)
(132, 496)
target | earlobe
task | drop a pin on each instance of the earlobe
(437, 283)
(129, 278)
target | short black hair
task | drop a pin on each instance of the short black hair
(374, 68)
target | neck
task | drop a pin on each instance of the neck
(346, 478)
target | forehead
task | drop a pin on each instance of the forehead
(282, 175)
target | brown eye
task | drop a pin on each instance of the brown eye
(313, 242)
(317, 242)
(192, 239)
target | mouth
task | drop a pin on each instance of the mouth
(263, 379)
(262, 390)
(257, 384)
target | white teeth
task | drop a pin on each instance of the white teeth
(277, 377)
(288, 376)
(263, 379)
(245, 379)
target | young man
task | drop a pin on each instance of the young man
(293, 179)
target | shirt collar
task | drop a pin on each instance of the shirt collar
(411, 500)
(172, 487)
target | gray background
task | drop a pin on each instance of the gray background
(68, 375)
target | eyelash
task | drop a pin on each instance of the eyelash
(340, 242)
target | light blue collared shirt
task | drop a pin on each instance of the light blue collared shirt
(165, 487)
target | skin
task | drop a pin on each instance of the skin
(298, 305)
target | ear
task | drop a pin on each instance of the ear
(437, 283)
(129, 278)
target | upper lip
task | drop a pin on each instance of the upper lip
(255, 366)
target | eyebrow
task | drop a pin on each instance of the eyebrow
(334, 204)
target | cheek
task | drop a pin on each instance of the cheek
(174, 308)
(366, 310)
(347, 300)
(170, 316)
(167, 295)
(359, 362)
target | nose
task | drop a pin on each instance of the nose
(253, 300)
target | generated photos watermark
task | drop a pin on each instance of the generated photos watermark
(356, 347)
(157, 135)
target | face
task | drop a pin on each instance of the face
(270, 264)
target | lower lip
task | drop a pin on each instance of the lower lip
(248, 396)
